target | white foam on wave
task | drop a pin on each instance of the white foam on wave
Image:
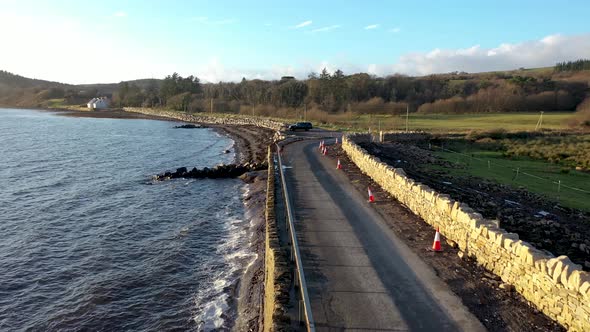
(211, 317)
(238, 255)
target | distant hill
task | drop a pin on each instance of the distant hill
(20, 91)
(110, 88)
(16, 81)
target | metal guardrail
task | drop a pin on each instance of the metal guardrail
(295, 254)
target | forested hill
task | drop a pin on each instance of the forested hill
(16, 81)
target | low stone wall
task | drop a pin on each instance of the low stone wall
(556, 286)
(277, 275)
(200, 118)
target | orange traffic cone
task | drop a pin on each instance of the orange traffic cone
(336, 140)
(371, 197)
(436, 244)
(338, 166)
(320, 147)
(325, 150)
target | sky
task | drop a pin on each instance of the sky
(110, 41)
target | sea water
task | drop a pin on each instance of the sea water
(89, 242)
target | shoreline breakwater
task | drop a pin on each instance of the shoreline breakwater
(229, 119)
(220, 171)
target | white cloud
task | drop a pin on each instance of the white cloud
(536, 53)
(395, 30)
(372, 69)
(120, 14)
(328, 28)
(302, 24)
(371, 27)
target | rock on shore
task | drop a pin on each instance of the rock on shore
(218, 172)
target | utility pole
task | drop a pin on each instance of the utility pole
(407, 116)
(304, 112)
(539, 122)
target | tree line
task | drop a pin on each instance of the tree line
(581, 64)
(363, 93)
(328, 92)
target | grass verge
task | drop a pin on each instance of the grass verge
(549, 180)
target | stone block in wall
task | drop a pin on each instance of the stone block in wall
(584, 288)
(552, 263)
(566, 273)
(444, 204)
(499, 238)
(576, 279)
(556, 265)
(454, 210)
(541, 265)
(509, 241)
(486, 225)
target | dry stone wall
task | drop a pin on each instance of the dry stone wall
(227, 120)
(555, 285)
(277, 273)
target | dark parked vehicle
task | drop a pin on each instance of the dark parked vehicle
(301, 125)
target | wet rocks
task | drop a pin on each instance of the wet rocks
(190, 126)
(218, 172)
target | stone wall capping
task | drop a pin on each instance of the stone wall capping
(541, 264)
(400, 172)
(585, 287)
(576, 279)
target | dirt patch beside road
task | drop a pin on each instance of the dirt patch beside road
(498, 309)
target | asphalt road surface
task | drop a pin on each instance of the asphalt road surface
(360, 276)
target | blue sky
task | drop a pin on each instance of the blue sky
(226, 40)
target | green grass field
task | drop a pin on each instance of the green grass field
(507, 121)
(493, 166)
(452, 123)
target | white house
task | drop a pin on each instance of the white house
(98, 103)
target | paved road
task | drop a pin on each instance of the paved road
(359, 274)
